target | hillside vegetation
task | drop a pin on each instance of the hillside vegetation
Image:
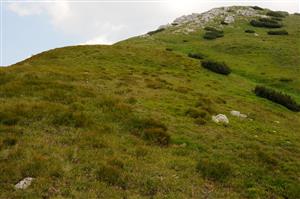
(133, 120)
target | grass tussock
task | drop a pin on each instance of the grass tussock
(151, 130)
(218, 171)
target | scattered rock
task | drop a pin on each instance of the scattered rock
(24, 184)
(195, 21)
(238, 114)
(255, 34)
(220, 118)
(277, 122)
(229, 19)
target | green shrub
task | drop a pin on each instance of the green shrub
(224, 23)
(111, 176)
(212, 29)
(157, 136)
(155, 31)
(249, 31)
(212, 35)
(278, 32)
(267, 20)
(277, 14)
(257, 8)
(196, 55)
(214, 170)
(277, 97)
(276, 19)
(217, 67)
(265, 24)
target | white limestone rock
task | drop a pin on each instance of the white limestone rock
(220, 118)
(25, 183)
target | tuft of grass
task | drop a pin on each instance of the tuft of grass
(218, 171)
(111, 176)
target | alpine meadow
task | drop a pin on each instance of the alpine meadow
(207, 106)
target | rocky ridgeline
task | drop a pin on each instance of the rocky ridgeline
(223, 15)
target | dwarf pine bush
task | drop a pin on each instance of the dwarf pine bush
(265, 23)
(277, 97)
(196, 55)
(217, 67)
(278, 32)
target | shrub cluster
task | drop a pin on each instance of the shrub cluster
(196, 55)
(155, 31)
(217, 67)
(266, 23)
(212, 33)
(257, 8)
(277, 97)
(278, 32)
(277, 14)
(249, 31)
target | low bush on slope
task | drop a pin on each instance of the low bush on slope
(278, 32)
(265, 23)
(212, 33)
(277, 97)
(217, 67)
(277, 14)
(196, 55)
(155, 31)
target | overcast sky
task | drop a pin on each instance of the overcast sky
(32, 26)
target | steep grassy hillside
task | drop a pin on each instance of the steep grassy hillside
(133, 120)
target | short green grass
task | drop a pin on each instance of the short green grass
(92, 121)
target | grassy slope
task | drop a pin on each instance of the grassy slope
(66, 118)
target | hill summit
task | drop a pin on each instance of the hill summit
(205, 107)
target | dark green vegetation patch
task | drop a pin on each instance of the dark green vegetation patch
(155, 31)
(217, 67)
(277, 97)
(278, 32)
(249, 31)
(196, 55)
(212, 33)
(265, 23)
(277, 13)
